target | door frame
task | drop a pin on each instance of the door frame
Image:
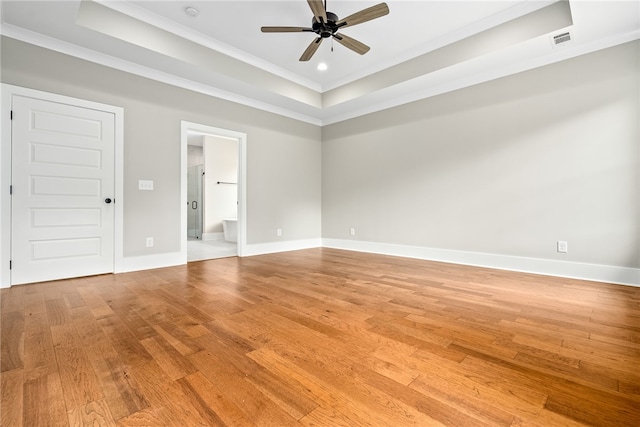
(185, 127)
(6, 229)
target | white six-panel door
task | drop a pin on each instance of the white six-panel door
(63, 191)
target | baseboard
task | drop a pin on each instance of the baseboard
(574, 270)
(148, 262)
(274, 247)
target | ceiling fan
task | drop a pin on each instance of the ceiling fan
(326, 24)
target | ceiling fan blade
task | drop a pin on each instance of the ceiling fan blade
(352, 43)
(311, 49)
(364, 15)
(285, 29)
(318, 10)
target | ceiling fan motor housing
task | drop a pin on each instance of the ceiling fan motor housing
(325, 29)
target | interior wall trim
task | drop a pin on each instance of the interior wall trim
(547, 267)
(568, 269)
(407, 92)
(147, 72)
(149, 262)
(241, 137)
(284, 246)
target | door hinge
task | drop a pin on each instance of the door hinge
(10, 264)
(11, 115)
(11, 190)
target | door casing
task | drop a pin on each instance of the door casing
(185, 127)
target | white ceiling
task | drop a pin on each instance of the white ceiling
(422, 48)
(237, 24)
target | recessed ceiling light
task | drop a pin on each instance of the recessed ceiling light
(191, 11)
(322, 66)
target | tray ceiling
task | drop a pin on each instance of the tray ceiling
(421, 49)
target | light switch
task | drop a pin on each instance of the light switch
(563, 246)
(146, 185)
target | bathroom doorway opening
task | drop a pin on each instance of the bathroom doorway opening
(213, 192)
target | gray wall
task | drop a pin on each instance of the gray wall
(508, 167)
(283, 155)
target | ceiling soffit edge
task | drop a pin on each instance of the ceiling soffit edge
(97, 17)
(46, 42)
(542, 21)
(130, 9)
(383, 96)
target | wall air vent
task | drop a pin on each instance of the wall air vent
(561, 38)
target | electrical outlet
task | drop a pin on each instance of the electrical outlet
(279, 232)
(563, 246)
(146, 185)
(149, 242)
(352, 231)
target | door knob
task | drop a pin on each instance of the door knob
(107, 200)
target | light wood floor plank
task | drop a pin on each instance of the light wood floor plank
(320, 337)
(12, 336)
(11, 390)
(92, 414)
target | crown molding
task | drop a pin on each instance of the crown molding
(409, 91)
(505, 16)
(420, 88)
(187, 33)
(70, 49)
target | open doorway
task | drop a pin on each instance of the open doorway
(213, 192)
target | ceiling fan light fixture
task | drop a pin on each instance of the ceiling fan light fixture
(191, 11)
(326, 25)
(322, 66)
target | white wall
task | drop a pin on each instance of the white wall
(221, 165)
(278, 149)
(194, 155)
(507, 167)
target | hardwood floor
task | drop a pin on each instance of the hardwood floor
(321, 338)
